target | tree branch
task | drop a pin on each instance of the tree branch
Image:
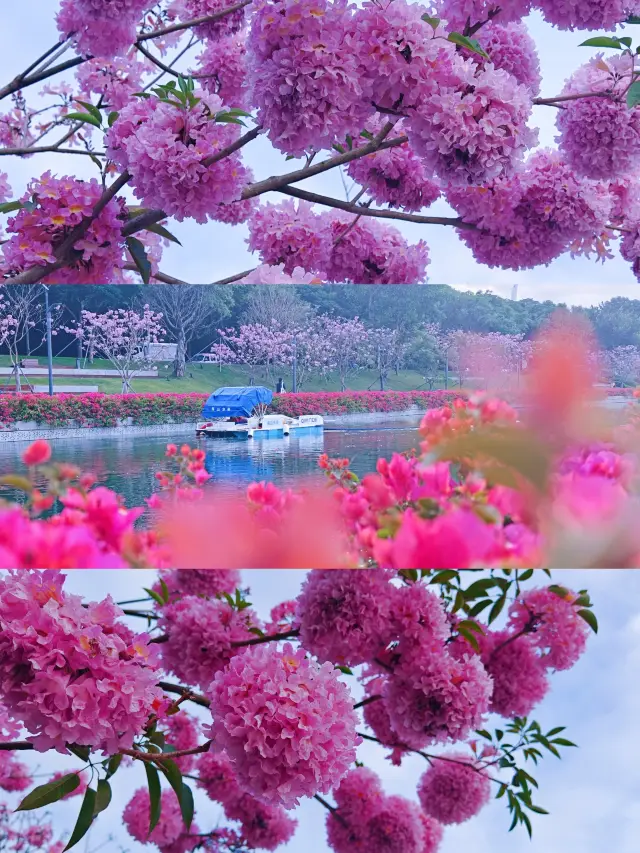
(158, 276)
(235, 146)
(47, 149)
(15, 745)
(234, 278)
(268, 638)
(195, 22)
(350, 207)
(64, 250)
(163, 756)
(277, 181)
(184, 691)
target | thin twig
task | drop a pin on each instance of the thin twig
(234, 278)
(235, 146)
(195, 22)
(47, 149)
(268, 638)
(181, 691)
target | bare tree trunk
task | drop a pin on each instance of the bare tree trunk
(179, 364)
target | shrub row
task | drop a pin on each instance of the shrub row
(106, 410)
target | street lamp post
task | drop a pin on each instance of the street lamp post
(294, 385)
(49, 345)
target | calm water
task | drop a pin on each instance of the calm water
(128, 465)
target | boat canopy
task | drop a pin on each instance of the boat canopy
(236, 402)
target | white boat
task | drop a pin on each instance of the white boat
(242, 413)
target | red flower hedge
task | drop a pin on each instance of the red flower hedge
(345, 402)
(105, 410)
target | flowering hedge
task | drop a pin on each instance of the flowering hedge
(105, 410)
(100, 410)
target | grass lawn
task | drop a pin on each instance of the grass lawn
(205, 378)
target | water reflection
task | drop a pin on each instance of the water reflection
(128, 464)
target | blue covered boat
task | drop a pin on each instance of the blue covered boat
(242, 413)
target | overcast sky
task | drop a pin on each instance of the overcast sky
(593, 794)
(214, 251)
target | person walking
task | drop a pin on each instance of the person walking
(280, 389)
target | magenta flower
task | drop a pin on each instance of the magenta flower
(263, 826)
(168, 830)
(286, 722)
(433, 698)
(72, 674)
(209, 583)
(587, 14)
(558, 631)
(100, 29)
(216, 776)
(453, 792)
(202, 634)
(344, 616)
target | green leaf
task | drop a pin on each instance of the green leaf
(155, 803)
(602, 41)
(633, 95)
(496, 610)
(471, 626)
(86, 117)
(90, 108)
(114, 763)
(345, 670)
(556, 731)
(563, 742)
(85, 818)
(49, 793)
(159, 229)
(479, 588)
(590, 618)
(17, 482)
(480, 606)
(458, 603)
(469, 44)
(537, 809)
(484, 733)
(633, 19)
(112, 118)
(10, 206)
(444, 577)
(433, 22)
(528, 573)
(173, 774)
(366, 134)
(187, 806)
(525, 820)
(103, 796)
(560, 591)
(626, 40)
(156, 596)
(165, 591)
(82, 752)
(470, 638)
(338, 148)
(139, 255)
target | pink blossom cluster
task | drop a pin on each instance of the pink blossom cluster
(458, 12)
(53, 207)
(304, 74)
(9, 728)
(198, 582)
(292, 235)
(286, 722)
(395, 176)
(72, 674)
(269, 274)
(263, 826)
(5, 189)
(473, 128)
(344, 616)
(367, 819)
(370, 252)
(169, 835)
(511, 48)
(599, 135)
(100, 29)
(163, 147)
(453, 789)
(14, 774)
(587, 14)
(532, 217)
(222, 69)
(30, 835)
(202, 634)
(212, 30)
(115, 80)
(182, 732)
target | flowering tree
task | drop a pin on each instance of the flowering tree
(387, 351)
(416, 102)
(348, 344)
(622, 365)
(257, 345)
(123, 336)
(401, 660)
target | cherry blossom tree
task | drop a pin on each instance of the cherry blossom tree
(171, 131)
(349, 345)
(257, 345)
(123, 337)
